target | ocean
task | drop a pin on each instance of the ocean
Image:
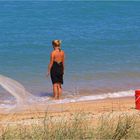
(101, 41)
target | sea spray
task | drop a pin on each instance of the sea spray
(15, 88)
(25, 100)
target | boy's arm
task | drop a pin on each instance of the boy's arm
(63, 61)
(51, 63)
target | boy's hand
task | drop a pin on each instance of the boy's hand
(48, 74)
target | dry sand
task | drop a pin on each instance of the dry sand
(91, 108)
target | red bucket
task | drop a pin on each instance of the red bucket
(137, 99)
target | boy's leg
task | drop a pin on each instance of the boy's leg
(59, 90)
(55, 90)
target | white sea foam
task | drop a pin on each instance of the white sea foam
(47, 100)
(129, 93)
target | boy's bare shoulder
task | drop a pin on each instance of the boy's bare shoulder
(53, 52)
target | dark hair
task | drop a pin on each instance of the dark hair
(56, 42)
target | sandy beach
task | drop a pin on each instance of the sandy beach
(93, 108)
(103, 119)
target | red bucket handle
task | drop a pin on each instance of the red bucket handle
(138, 97)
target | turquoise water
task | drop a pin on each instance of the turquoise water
(101, 41)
